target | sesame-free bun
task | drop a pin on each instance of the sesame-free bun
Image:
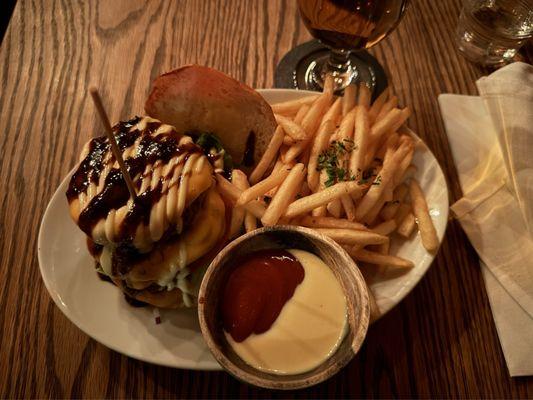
(198, 99)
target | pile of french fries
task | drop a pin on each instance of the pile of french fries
(366, 194)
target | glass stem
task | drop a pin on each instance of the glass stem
(339, 62)
(339, 66)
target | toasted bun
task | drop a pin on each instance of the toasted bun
(201, 99)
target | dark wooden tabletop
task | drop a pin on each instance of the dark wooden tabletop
(439, 342)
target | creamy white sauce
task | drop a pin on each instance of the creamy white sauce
(309, 329)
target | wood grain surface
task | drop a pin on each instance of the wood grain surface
(439, 342)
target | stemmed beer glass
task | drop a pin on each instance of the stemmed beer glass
(345, 28)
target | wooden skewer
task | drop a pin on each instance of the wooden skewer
(114, 146)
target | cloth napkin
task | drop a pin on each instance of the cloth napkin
(491, 139)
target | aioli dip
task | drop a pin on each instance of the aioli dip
(312, 318)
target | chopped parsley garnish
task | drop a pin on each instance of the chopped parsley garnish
(331, 161)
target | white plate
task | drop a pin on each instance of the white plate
(99, 309)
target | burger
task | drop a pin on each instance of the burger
(156, 245)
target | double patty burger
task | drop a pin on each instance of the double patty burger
(155, 247)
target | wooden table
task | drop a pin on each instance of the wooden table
(439, 342)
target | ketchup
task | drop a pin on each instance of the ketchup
(256, 291)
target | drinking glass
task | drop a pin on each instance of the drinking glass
(490, 32)
(345, 28)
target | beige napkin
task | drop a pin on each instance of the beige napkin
(492, 144)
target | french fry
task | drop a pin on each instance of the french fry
(345, 134)
(396, 121)
(377, 105)
(321, 211)
(407, 226)
(329, 222)
(389, 209)
(310, 124)
(353, 237)
(239, 179)
(386, 174)
(319, 145)
(348, 206)
(275, 144)
(291, 128)
(400, 173)
(402, 212)
(385, 124)
(385, 228)
(346, 127)
(364, 96)
(421, 212)
(404, 130)
(333, 112)
(262, 187)
(306, 204)
(380, 259)
(334, 207)
(329, 85)
(278, 166)
(360, 141)
(406, 138)
(304, 157)
(283, 153)
(284, 196)
(378, 148)
(268, 156)
(392, 141)
(349, 98)
(373, 213)
(383, 248)
(288, 141)
(389, 105)
(410, 172)
(237, 216)
(301, 113)
(232, 193)
(250, 222)
(406, 113)
(292, 106)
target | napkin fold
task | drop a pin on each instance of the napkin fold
(491, 139)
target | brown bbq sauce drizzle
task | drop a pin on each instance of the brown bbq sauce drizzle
(115, 192)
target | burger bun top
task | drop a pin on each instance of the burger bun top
(196, 99)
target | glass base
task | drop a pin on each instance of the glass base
(318, 69)
(484, 50)
(298, 70)
(482, 45)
